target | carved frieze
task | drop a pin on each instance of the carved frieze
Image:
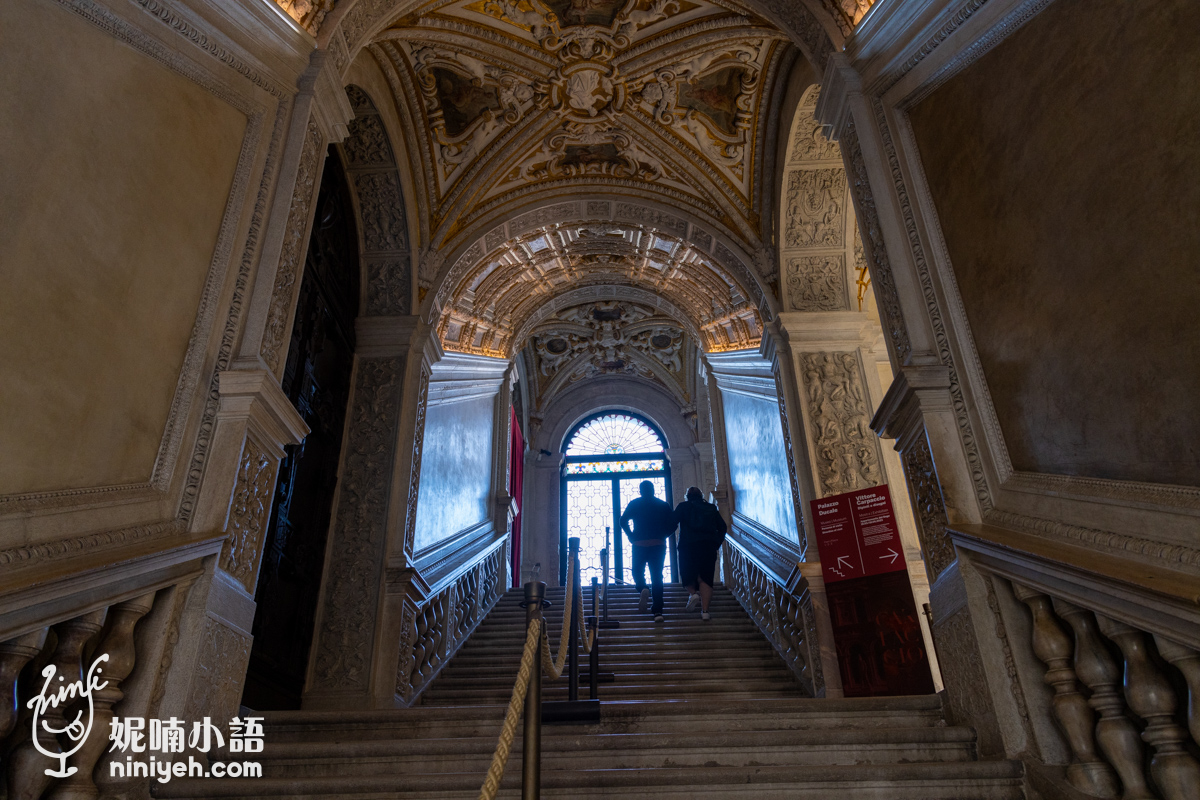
(846, 449)
(817, 283)
(247, 526)
(351, 582)
(291, 258)
(815, 202)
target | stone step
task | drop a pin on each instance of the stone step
(730, 677)
(773, 714)
(969, 780)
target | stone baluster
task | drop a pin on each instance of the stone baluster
(1118, 738)
(27, 778)
(1150, 696)
(1186, 661)
(14, 655)
(1088, 772)
(118, 644)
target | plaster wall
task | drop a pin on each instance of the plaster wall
(1066, 176)
(456, 469)
(758, 468)
(116, 172)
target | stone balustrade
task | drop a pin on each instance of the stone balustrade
(444, 621)
(120, 615)
(782, 610)
(1120, 651)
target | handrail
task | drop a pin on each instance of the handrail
(527, 687)
(1118, 641)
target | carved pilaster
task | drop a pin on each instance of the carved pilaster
(351, 583)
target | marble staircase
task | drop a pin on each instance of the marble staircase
(697, 709)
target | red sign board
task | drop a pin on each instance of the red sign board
(857, 535)
(876, 630)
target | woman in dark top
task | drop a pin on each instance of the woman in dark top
(701, 531)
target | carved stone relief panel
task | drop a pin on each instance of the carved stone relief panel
(815, 202)
(791, 464)
(352, 573)
(371, 167)
(926, 494)
(381, 210)
(388, 287)
(846, 449)
(220, 670)
(817, 283)
(247, 526)
(966, 681)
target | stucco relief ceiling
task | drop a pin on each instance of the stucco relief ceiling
(491, 306)
(609, 338)
(510, 98)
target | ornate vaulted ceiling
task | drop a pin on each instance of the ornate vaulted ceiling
(509, 99)
(501, 297)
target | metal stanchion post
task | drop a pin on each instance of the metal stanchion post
(573, 653)
(531, 775)
(594, 656)
(606, 622)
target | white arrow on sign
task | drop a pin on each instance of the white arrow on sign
(895, 555)
(847, 565)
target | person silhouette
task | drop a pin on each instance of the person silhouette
(702, 529)
(653, 521)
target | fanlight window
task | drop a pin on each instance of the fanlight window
(614, 434)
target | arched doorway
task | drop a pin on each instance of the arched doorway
(607, 456)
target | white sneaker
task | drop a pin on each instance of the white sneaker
(704, 615)
(644, 602)
(693, 603)
(660, 618)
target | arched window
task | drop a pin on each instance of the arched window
(614, 434)
(607, 455)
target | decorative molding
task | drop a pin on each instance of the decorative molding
(846, 450)
(414, 474)
(881, 268)
(347, 619)
(291, 258)
(789, 453)
(389, 283)
(63, 548)
(933, 308)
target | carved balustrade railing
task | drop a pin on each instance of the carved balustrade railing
(1119, 644)
(456, 604)
(780, 606)
(68, 615)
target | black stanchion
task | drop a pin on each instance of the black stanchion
(531, 755)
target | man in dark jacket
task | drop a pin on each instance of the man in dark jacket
(653, 522)
(701, 531)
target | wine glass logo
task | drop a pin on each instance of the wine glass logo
(76, 730)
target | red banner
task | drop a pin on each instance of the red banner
(876, 631)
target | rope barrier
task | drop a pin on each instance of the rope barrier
(491, 784)
(537, 643)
